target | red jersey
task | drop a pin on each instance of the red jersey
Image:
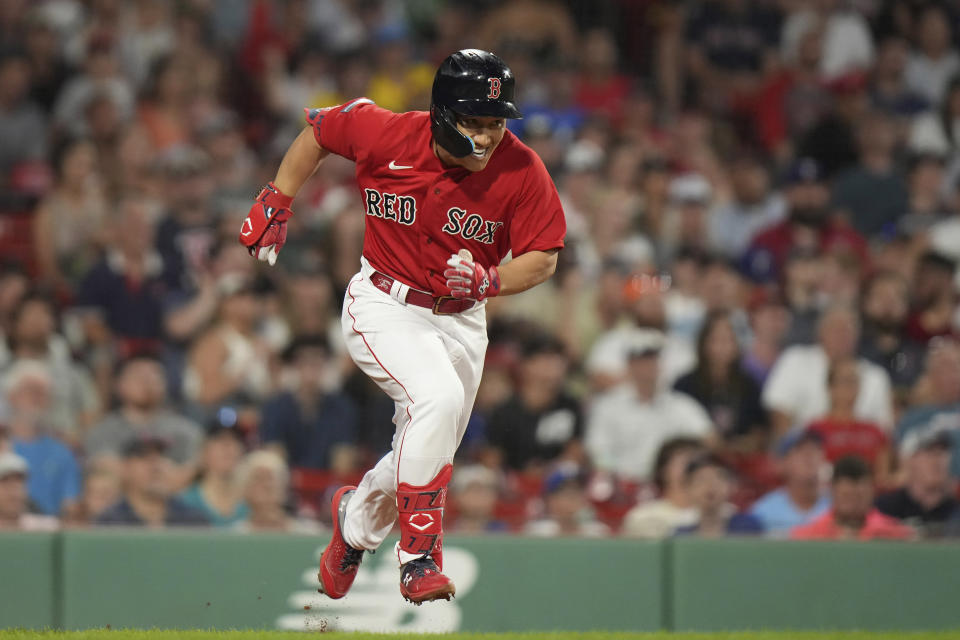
(875, 526)
(420, 211)
(854, 438)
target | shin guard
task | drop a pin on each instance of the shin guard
(421, 516)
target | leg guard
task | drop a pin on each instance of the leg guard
(421, 517)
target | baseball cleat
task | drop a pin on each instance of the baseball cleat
(339, 562)
(421, 581)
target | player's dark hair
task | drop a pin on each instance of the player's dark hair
(666, 454)
(853, 468)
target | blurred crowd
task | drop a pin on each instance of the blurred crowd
(753, 328)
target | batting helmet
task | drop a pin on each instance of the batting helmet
(470, 82)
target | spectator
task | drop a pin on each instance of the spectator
(852, 515)
(685, 224)
(808, 226)
(142, 393)
(925, 501)
(935, 61)
(884, 308)
(14, 503)
(567, 512)
(925, 180)
(842, 433)
(889, 91)
(769, 322)
(872, 194)
(101, 490)
(313, 424)
(474, 491)
(540, 423)
(802, 498)
(673, 508)
(147, 499)
(54, 483)
(937, 407)
(728, 394)
(753, 207)
(709, 484)
(218, 494)
(796, 391)
(70, 221)
(22, 126)
(630, 423)
(125, 289)
(74, 404)
(847, 43)
(934, 298)
(264, 480)
(934, 132)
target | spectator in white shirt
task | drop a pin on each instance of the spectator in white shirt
(796, 391)
(630, 423)
(659, 518)
(931, 67)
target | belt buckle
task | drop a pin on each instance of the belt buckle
(438, 301)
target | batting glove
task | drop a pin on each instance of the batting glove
(264, 231)
(467, 279)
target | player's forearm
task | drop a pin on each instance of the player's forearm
(299, 163)
(526, 271)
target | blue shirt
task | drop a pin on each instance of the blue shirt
(940, 418)
(178, 515)
(193, 498)
(778, 513)
(739, 524)
(309, 438)
(54, 474)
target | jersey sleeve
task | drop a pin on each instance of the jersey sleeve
(350, 129)
(538, 223)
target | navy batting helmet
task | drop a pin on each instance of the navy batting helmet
(470, 82)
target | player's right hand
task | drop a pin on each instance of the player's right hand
(264, 231)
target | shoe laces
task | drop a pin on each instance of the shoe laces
(420, 566)
(351, 558)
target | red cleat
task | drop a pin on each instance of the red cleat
(340, 561)
(421, 581)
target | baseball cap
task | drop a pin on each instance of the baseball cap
(923, 440)
(143, 444)
(11, 463)
(644, 342)
(787, 443)
(563, 476)
(804, 170)
(690, 187)
(226, 421)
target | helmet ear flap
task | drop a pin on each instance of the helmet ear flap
(443, 124)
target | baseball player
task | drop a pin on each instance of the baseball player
(447, 195)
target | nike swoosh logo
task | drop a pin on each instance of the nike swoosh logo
(393, 166)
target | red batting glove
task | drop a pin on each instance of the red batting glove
(264, 231)
(467, 279)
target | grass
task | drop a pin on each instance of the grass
(134, 634)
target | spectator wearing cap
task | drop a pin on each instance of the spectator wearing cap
(753, 207)
(685, 224)
(885, 303)
(474, 491)
(73, 401)
(312, 423)
(709, 483)
(935, 61)
(264, 479)
(628, 424)
(796, 391)
(54, 484)
(935, 298)
(23, 128)
(925, 501)
(218, 493)
(852, 515)
(540, 423)
(872, 194)
(673, 508)
(566, 509)
(802, 498)
(725, 391)
(14, 502)
(141, 391)
(769, 323)
(123, 293)
(147, 499)
(809, 224)
(937, 403)
(842, 433)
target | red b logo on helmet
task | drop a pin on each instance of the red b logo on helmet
(494, 87)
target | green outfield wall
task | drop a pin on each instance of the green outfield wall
(86, 579)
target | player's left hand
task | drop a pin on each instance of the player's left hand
(467, 279)
(264, 231)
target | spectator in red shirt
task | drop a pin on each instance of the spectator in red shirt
(842, 433)
(809, 225)
(853, 515)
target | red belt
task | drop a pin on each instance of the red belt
(440, 305)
